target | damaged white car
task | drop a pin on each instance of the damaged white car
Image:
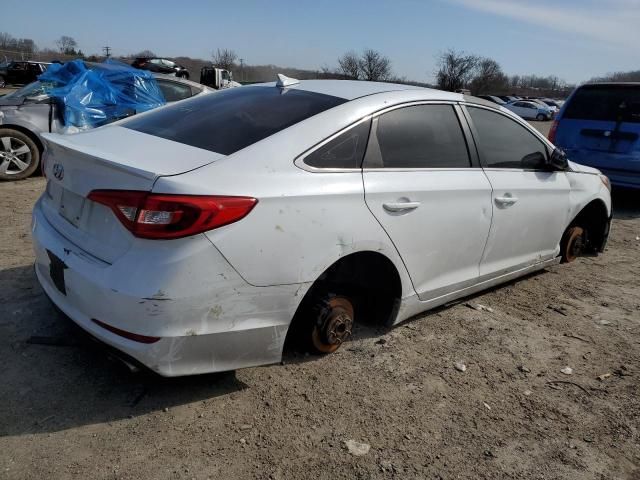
(200, 236)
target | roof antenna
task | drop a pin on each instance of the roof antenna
(284, 81)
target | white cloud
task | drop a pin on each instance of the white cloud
(610, 21)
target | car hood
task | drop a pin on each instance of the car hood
(576, 167)
(11, 101)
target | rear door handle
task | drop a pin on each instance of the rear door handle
(507, 200)
(400, 206)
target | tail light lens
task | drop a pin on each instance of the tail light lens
(160, 216)
(552, 131)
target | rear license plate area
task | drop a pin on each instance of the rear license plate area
(71, 206)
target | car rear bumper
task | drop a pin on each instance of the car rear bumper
(205, 316)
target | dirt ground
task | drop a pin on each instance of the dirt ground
(68, 411)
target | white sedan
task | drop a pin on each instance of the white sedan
(200, 236)
(530, 110)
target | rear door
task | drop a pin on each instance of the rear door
(427, 192)
(600, 127)
(530, 203)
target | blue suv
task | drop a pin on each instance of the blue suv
(599, 126)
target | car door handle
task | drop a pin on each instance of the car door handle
(506, 200)
(400, 206)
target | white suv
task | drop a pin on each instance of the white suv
(200, 236)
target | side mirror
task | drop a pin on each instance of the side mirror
(534, 161)
(558, 160)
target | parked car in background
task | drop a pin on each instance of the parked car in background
(493, 98)
(599, 126)
(508, 98)
(28, 112)
(21, 72)
(200, 236)
(161, 65)
(538, 101)
(530, 110)
(553, 103)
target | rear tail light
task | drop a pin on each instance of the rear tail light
(552, 131)
(160, 216)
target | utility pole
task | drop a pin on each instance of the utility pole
(107, 51)
(242, 69)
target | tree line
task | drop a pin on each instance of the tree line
(455, 70)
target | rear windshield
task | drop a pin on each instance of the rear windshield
(230, 120)
(605, 102)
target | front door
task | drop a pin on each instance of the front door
(530, 203)
(423, 189)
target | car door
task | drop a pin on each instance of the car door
(15, 72)
(530, 202)
(425, 188)
(521, 109)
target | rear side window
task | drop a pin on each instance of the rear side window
(422, 136)
(344, 151)
(606, 103)
(174, 91)
(504, 143)
(230, 120)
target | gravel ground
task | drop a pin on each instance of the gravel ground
(68, 411)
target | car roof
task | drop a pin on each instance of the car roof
(352, 89)
(610, 84)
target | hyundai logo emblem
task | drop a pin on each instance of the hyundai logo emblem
(58, 171)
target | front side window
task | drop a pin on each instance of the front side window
(504, 143)
(421, 136)
(344, 151)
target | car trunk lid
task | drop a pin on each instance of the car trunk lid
(108, 158)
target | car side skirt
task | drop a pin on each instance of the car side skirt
(412, 306)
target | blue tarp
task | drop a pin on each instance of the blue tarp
(92, 94)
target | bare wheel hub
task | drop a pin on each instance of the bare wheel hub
(334, 325)
(575, 244)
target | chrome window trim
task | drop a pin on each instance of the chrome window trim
(299, 160)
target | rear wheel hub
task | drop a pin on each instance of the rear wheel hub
(334, 325)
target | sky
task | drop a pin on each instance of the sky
(573, 39)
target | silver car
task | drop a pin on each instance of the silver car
(28, 112)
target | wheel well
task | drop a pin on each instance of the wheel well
(28, 133)
(593, 219)
(368, 278)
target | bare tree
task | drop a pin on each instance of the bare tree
(67, 45)
(374, 66)
(224, 58)
(349, 65)
(488, 77)
(455, 70)
(145, 54)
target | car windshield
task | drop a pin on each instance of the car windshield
(233, 119)
(33, 90)
(605, 102)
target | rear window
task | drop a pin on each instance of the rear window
(230, 120)
(605, 102)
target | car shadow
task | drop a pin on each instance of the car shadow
(55, 377)
(626, 203)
